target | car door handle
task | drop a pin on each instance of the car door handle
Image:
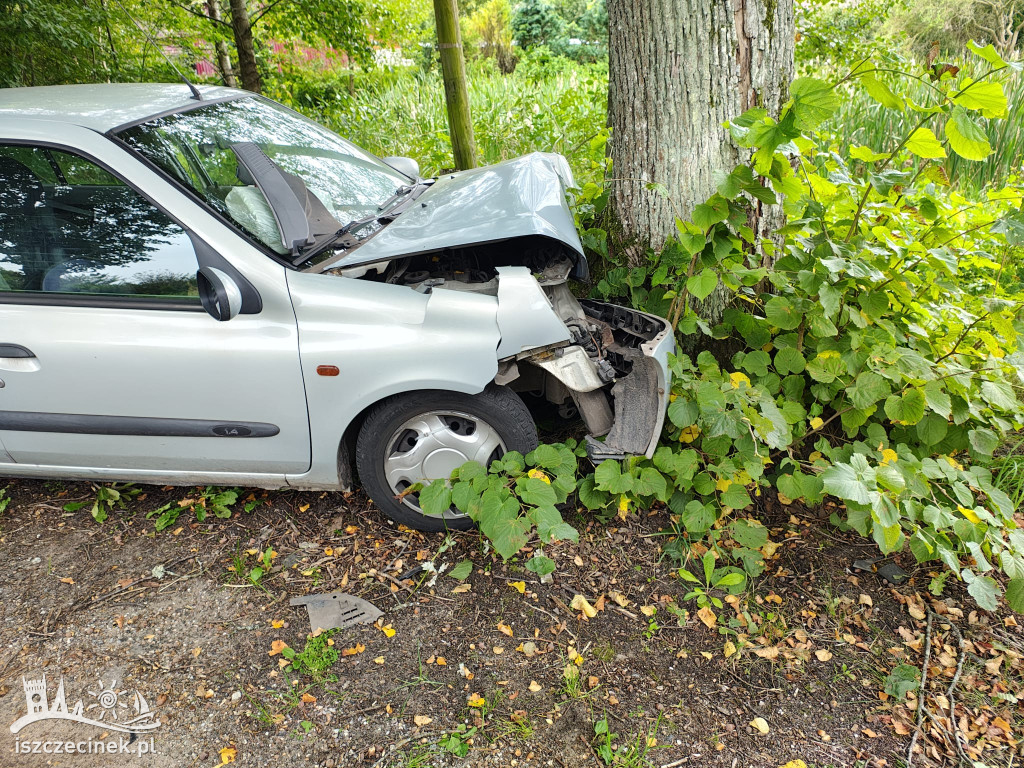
(15, 357)
(15, 350)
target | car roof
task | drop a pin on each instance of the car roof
(105, 105)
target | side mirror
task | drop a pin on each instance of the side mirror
(405, 165)
(219, 293)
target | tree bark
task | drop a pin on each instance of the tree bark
(241, 25)
(678, 69)
(223, 57)
(456, 93)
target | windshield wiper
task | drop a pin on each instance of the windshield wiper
(386, 212)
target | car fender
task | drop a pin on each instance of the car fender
(385, 340)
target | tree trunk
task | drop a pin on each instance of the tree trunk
(456, 94)
(223, 58)
(244, 46)
(678, 69)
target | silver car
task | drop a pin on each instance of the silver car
(208, 288)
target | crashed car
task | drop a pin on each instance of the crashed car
(201, 286)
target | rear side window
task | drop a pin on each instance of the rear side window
(70, 227)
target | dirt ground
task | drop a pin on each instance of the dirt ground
(500, 660)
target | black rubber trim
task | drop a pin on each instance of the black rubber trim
(137, 426)
(175, 110)
(15, 350)
(99, 300)
(208, 256)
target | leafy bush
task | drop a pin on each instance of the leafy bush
(882, 367)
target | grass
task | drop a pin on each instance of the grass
(554, 108)
(1008, 472)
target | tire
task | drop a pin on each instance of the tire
(425, 435)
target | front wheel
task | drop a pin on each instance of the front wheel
(423, 436)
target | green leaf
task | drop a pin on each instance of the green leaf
(984, 441)
(985, 592)
(436, 498)
(923, 143)
(650, 483)
(868, 389)
(1015, 594)
(701, 285)
(779, 311)
(609, 477)
(966, 137)
(881, 92)
(844, 481)
(533, 490)
(735, 496)
(937, 399)
(986, 97)
(695, 517)
(903, 679)
(867, 155)
(683, 413)
(988, 53)
(591, 497)
(907, 408)
(789, 360)
(749, 533)
(501, 523)
(706, 216)
(814, 101)
(540, 565)
(932, 429)
(462, 570)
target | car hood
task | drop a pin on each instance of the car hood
(516, 198)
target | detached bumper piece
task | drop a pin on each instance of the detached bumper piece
(639, 349)
(637, 407)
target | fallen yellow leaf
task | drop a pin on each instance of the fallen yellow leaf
(504, 628)
(387, 629)
(729, 648)
(357, 648)
(518, 586)
(228, 755)
(648, 610)
(422, 720)
(379, 660)
(476, 700)
(462, 588)
(535, 686)
(304, 507)
(276, 647)
(67, 580)
(580, 603)
(708, 616)
(823, 655)
(277, 623)
(760, 724)
(308, 698)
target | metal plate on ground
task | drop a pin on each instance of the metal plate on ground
(337, 610)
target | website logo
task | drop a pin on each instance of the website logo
(109, 709)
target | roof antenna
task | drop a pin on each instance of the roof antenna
(196, 94)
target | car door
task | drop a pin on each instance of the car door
(108, 360)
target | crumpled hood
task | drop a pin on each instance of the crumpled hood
(516, 198)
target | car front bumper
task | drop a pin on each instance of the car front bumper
(641, 396)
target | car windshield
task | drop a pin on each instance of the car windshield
(195, 147)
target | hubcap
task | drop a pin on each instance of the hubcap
(430, 446)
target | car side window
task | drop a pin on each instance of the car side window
(70, 227)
